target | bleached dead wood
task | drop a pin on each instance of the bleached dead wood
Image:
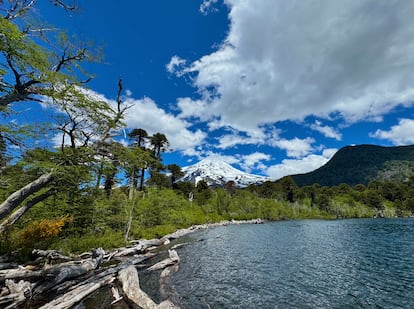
(111, 271)
(18, 293)
(8, 265)
(20, 273)
(53, 275)
(20, 195)
(130, 285)
(116, 295)
(64, 272)
(139, 247)
(166, 288)
(53, 255)
(76, 295)
(17, 214)
(171, 260)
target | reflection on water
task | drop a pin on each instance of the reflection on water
(366, 263)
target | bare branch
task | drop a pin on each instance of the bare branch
(68, 7)
(19, 8)
(17, 75)
(65, 59)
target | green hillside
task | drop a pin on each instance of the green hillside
(361, 164)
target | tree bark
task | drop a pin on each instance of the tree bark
(130, 286)
(16, 198)
(22, 210)
(76, 295)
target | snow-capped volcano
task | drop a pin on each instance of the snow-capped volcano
(217, 173)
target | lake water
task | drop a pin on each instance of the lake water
(365, 263)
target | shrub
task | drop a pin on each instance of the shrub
(42, 231)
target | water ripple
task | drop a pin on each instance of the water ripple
(300, 264)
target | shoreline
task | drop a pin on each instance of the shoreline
(198, 227)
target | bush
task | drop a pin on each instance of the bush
(40, 233)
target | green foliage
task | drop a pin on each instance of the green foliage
(361, 164)
(102, 221)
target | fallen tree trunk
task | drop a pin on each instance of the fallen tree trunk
(64, 272)
(53, 255)
(139, 247)
(18, 293)
(167, 291)
(130, 285)
(171, 260)
(76, 295)
(58, 273)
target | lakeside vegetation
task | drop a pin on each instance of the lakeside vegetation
(93, 219)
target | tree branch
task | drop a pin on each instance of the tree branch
(19, 8)
(21, 211)
(64, 5)
(20, 195)
(79, 56)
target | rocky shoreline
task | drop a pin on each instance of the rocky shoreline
(57, 281)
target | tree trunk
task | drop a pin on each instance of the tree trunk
(130, 286)
(68, 300)
(142, 178)
(22, 210)
(20, 195)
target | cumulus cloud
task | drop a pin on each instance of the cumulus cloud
(253, 161)
(192, 108)
(401, 134)
(232, 140)
(290, 59)
(296, 147)
(326, 130)
(144, 113)
(298, 166)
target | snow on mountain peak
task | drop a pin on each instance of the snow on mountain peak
(217, 173)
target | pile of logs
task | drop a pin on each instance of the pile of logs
(57, 281)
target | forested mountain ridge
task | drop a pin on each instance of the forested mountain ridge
(361, 164)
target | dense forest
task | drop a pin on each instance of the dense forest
(369, 162)
(90, 190)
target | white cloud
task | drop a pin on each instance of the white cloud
(225, 158)
(253, 160)
(298, 166)
(326, 130)
(207, 6)
(401, 134)
(145, 114)
(295, 147)
(175, 65)
(192, 108)
(232, 140)
(290, 59)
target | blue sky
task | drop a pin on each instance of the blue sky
(272, 87)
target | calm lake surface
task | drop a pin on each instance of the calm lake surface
(364, 263)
